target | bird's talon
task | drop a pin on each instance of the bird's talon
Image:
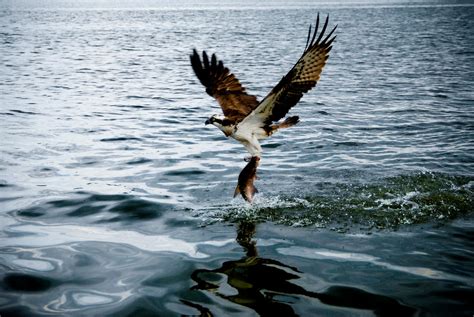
(249, 158)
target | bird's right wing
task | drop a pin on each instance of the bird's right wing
(300, 79)
(221, 84)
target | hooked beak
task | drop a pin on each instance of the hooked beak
(208, 121)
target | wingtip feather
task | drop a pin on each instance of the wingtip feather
(205, 59)
(315, 29)
(323, 30)
(307, 40)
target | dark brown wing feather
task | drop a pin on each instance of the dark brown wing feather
(221, 84)
(300, 79)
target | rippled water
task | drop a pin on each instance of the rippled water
(117, 199)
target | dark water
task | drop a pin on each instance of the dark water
(116, 199)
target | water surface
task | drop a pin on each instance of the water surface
(116, 199)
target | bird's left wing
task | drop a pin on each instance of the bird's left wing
(221, 84)
(300, 79)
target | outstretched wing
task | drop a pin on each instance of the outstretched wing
(221, 84)
(299, 80)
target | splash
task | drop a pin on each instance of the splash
(386, 204)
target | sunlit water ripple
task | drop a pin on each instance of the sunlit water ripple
(117, 199)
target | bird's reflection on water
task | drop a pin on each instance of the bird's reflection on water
(267, 287)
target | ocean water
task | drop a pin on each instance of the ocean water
(116, 199)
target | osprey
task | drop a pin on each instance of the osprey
(245, 118)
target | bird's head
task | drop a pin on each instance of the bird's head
(220, 121)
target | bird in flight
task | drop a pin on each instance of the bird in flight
(248, 120)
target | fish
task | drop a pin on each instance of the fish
(247, 176)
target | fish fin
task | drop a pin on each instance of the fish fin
(255, 190)
(237, 190)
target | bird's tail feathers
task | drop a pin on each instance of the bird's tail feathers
(288, 122)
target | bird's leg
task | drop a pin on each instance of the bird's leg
(249, 158)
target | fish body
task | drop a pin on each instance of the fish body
(247, 177)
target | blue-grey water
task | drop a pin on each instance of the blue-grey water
(116, 199)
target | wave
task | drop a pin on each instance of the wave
(386, 204)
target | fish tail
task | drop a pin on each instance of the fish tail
(237, 190)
